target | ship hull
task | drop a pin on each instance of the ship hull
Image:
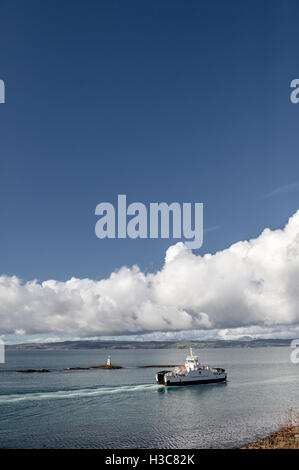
(194, 382)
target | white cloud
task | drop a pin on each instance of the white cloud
(249, 288)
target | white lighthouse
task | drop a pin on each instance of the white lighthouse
(108, 361)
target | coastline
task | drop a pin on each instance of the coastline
(286, 437)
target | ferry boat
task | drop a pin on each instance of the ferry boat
(193, 372)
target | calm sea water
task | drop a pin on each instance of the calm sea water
(126, 409)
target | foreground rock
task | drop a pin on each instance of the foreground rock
(287, 437)
(30, 371)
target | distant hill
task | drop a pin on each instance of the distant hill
(101, 344)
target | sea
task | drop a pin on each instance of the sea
(125, 408)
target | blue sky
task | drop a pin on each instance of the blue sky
(162, 101)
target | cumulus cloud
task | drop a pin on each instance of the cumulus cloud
(252, 286)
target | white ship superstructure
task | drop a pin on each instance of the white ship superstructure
(192, 372)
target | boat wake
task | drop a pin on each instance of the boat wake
(85, 392)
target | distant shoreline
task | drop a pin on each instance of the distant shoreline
(79, 368)
(103, 344)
